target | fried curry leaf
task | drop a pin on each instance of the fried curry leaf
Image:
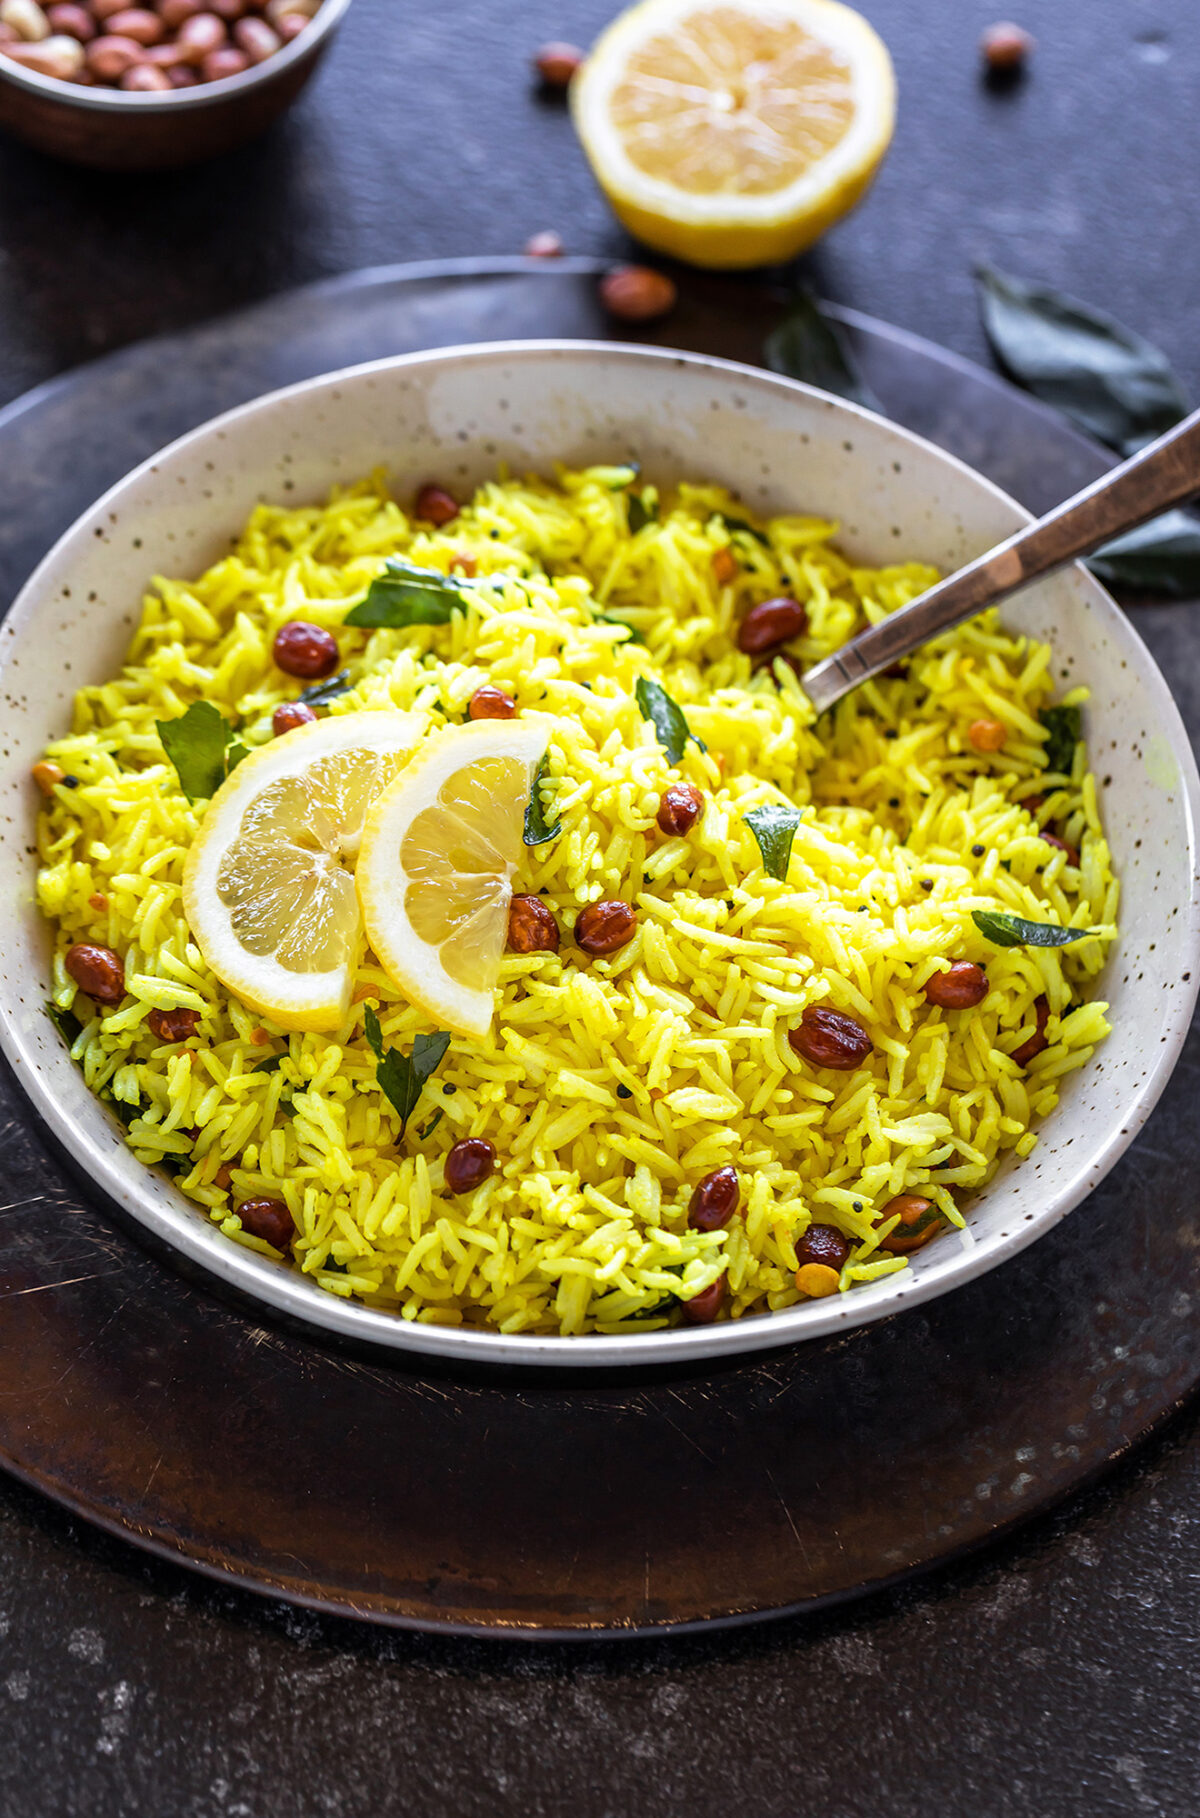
(610, 618)
(199, 745)
(1005, 930)
(1160, 557)
(667, 718)
(1110, 381)
(272, 1064)
(774, 827)
(66, 1022)
(640, 513)
(808, 345)
(734, 524)
(405, 595)
(319, 694)
(402, 1076)
(1065, 727)
(537, 828)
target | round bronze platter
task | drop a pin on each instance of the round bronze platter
(553, 1504)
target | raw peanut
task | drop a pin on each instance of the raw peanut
(714, 1200)
(817, 1280)
(97, 970)
(226, 60)
(826, 1038)
(304, 650)
(724, 566)
(199, 36)
(74, 20)
(823, 1244)
(679, 810)
(557, 63)
(173, 1025)
(47, 776)
(987, 735)
(26, 18)
(223, 1178)
(136, 23)
(919, 1221)
(961, 988)
(531, 926)
(182, 75)
(109, 57)
(488, 703)
(229, 10)
(436, 506)
(770, 624)
(174, 12)
(268, 1219)
(703, 1308)
(257, 39)
(8, 35)
(103, 10)
(468, 1164)
(635, 293)
(290, 714)
(291, 25)
(603, 927)
(1005, 46)
(283, 9)
(144, 79)
(544, 245)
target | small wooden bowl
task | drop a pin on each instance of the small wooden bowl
(111, 129)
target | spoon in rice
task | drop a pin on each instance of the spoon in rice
(1164, 473)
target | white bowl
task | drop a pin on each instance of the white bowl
(453, 415)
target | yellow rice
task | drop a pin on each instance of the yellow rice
(584, 1226)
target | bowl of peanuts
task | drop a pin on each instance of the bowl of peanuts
(157, 85)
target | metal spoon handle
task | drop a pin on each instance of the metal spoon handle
(1163, 474)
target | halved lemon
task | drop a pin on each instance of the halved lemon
(268, 887)
(439, 852)
(735, 132)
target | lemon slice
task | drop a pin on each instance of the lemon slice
(268, 888)
(734, 132)
(439, 852)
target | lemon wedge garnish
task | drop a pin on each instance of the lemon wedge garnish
(268, 888)
(735, 132)
(439, 852)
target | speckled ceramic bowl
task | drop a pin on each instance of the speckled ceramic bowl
(453, 415)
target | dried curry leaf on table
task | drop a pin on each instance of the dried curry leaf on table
(1005, 930)
(402, 1076)
(405, 595)
(1160, 557)
(810, 346)
(774, 827)
(1109, 380)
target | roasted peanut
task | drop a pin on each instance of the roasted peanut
(679, 810)
(714, 1200)
(74, 21)
(531, 926)
(823, 1244)
(488, 703)
(98, 971)
(919, 1221)
(304, 650)
(703, 1308)
(199, 36)
(268, 1219)
(436, 506)
(173, 1025)
(987, 735)
(47, 776)
(1029, 1050)
(1052, 839)
(226, 60)
(817, 1280)
(724, 566)
(290, 714)
(826, 1038)
(109, 57)
(770, 624)
(635, 293)
(603, 927)
(960, 988)
(468, 1164)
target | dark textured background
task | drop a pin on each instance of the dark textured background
(1056, 1675)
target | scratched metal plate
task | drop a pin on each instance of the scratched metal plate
(407, 1493)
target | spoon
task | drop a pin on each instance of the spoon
(1162, 474)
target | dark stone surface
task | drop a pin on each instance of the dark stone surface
(1057, 1674)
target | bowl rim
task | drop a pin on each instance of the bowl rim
(283, 1290)
(120, 100)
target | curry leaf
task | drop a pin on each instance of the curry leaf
(272, 1064)
(402, 1076)
(1160, 557)
(774, 827)
(807, 345)
(1065, 728)
(734, 524)
(1005, 930)
(537, 828)
(1110, 381)
(432, 1125)
(197, 743)
(640, 513)
(667, 718)
(319, 694)
(405, 595)
(610, 618)
(66, 1022)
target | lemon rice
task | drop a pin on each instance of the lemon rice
(609, 1086)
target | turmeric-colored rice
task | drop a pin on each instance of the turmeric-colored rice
(608, 1086)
